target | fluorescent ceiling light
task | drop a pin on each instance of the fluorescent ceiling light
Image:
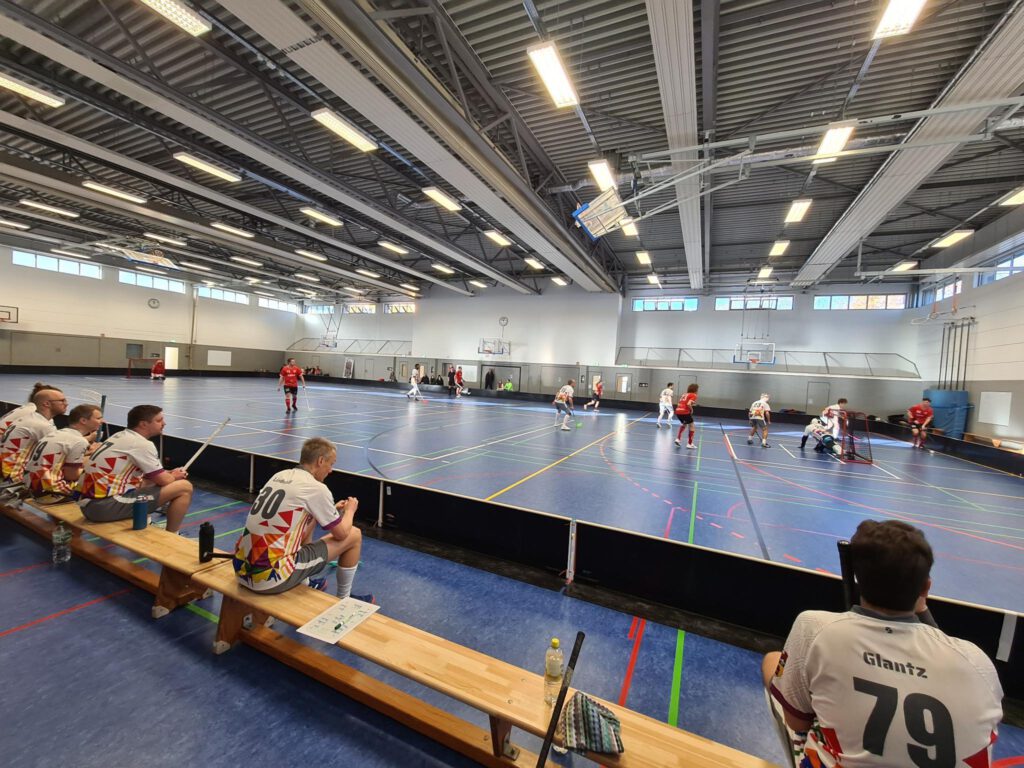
(310, 254)
(898, 18)
(779, 247)
(904, 266)
(1014, 198)
(313, 213)
(602, 173)
(149, 269)
(344, 129)
(643, 257)
(832, 143)
(233, 230)
(114, 192)
(353, 290)
(305, 291)
(29, 91)
(13, 224)
(443, 268)
(304, 276)
(74, 255)
(548, 64)
(253, 280)
(49, 208)
(764, 272)
(629, 228)
(952, 238)
(243, 260)
(534, 263)
(408, 286)
(193, 265)
(478, 283)
(798, 210)
(164, 239)
(367, 273)
(180, 14)
(498, 238)
(264, 293)
(202, 165)
(653, 279)
(559, 281)
(392, 247)
(445, 201)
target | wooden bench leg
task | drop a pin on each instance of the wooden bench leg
(234, 617)
(501, 739)
(174, 590)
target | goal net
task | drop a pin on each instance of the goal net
(855, 432)
(139, 367)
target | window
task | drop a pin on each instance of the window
(725, 303)
(400, 308)
(320, 309)
(1006, 268)
(360, 309)
(150, 281)
(670, 304)
(220, 294)
(284, 306)
(53, 264)
(872, 301)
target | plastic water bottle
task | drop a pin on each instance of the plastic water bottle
(553, 670)
(61, 538)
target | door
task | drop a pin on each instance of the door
(817, 396)
(622, 383)
(171, 358)
(368, 368)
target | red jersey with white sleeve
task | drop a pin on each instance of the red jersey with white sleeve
(599, 388)
(685, 405)
(158, 368)
(920, 413)
(290, 375)
(458, 378)
(887, 691)
(119, 465)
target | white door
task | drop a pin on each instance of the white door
(171, 358)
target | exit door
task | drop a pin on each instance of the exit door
(171, 358)
(817, 396)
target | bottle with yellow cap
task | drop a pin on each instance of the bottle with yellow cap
(553, 670)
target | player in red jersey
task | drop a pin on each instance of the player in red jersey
(919, 417)
(158, 371)
(595, 398)
(684, 412)
(289, 378)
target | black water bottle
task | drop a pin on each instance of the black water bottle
(206, 542)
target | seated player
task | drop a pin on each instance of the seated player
(684, 412)
(919, 417)
(55, 464)
(21, 437)
(821, 431)
(563, 404)
(760, 417)
(595, 398)
(289, 378)
(835, 414)
(880, 685)
(158, 371)
(277, 551)
(665, 404)
(22, 410)
(127, 464)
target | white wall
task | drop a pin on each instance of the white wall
(562, 326)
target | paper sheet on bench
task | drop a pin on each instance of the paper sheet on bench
(338, 620)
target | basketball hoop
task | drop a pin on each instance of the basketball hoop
(753, 362)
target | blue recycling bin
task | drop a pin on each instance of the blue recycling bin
(950, 406)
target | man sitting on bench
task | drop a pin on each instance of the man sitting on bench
(277, 551)
(55, 464)
(127, 463)
(21, 437)
(22, 410)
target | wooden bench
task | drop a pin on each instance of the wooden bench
(1011, 445)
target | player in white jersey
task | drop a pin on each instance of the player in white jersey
(414, 381)
(880, 685)
(760, 417)
(665, 405)
(22, 410)
(563, 404)
(55, 464)
(127, 464)
(21, 437)
(835, 414)
(277, 551)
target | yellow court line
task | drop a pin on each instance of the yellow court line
(564, 458)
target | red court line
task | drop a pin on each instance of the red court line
(632, 662)
(1007, 762)
(632, 628)
(66, 611)
(16, 571)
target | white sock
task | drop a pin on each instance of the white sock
(565, 421)
(345, 577)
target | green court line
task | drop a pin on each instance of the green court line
(203, 612)
(700, 447)
(677, 680)
(693, 513)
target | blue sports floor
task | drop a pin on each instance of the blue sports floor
(91, 680)
(617, 469)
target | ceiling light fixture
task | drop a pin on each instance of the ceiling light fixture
(498, 238)
(601, 170)
(408, 286)
(559, 281)
(832, 143)
(13, 224)
(253, 280)
(445, 201)
(779, 247)
(114, 192)
(353, 290)
(72, 254)
(228, 228)
(243, 260)
(49, 208)
(534, 263)
(798, 210)
(164, 239)
(151, 270)
(344, 129)
(764, 272)
(193, 265)
(310, 254)
(548, 64)
(304, 276)
(653, 279)
(264, 293)
(898, 18)
(905, 266)
(313, 213)
(478, 283)
(629, 228)
(392, 247)
(443, 268)
(178, 13)
(30, 91)
(205, 167)
(1014, 198)
(367, 273)
(643, 257)
(952, 238)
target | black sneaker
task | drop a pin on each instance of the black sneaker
(367, 598)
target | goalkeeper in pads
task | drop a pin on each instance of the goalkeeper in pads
(821, 430)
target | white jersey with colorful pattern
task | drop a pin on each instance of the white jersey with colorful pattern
(759, 409)
(565, 394)
(119, 465)
(887, 691)
(18, 441)
(44, 470)
(665, 398)
(291, 501)
(14, 414)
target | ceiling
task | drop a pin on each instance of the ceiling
(446, 91)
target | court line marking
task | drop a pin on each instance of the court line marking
(786, 450)
(746, 498)
(890, 474)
